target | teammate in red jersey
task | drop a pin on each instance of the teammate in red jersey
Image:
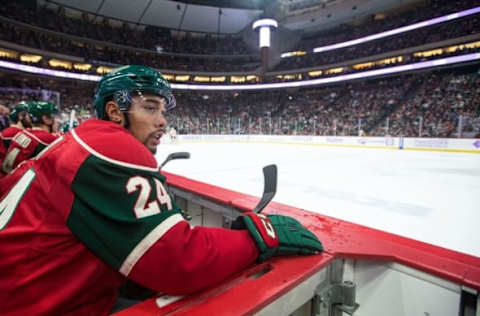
(29, 142)
(92, 209)
(20, 120)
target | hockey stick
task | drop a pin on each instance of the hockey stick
(172, 156)
(270, 187)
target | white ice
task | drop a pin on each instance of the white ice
(428, 196)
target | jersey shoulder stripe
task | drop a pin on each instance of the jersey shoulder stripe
(116, 145)
(42, 137)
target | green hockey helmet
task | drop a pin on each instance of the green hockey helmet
(119, 85)
(39, 108)
(20, 107)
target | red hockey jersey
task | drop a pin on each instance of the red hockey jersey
(25, 145)
(6, 137)
(92, 209)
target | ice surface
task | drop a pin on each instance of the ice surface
(428, 196)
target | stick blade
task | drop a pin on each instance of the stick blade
(176, 155)
(270, 187)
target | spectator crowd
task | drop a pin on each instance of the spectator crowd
(426, 105)
(434, 104)
(157, 47)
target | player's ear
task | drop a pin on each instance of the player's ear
(114, 113)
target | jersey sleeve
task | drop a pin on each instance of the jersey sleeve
(7, 134)
(126, 217)
(25, 145)
(22, 147)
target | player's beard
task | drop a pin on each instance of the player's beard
(26, 123)
(152, 136)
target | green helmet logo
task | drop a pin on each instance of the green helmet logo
(20, 107)
(39, 108)
(119, 84)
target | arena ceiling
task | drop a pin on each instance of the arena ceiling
(232, 16)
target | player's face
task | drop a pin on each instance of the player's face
(25, 119)
(147, 119)
(47, 119)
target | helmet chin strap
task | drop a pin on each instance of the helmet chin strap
(127, 120)
(118, 121)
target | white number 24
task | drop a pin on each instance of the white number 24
(143, 207)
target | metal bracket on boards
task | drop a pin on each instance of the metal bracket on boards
(340, 296)
(336, 296)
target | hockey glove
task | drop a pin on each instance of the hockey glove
(277, 235)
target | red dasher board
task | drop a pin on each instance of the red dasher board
(263, 285)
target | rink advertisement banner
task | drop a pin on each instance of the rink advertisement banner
(443, 144)
(432, 144)
(293, 139)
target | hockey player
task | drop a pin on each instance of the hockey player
(20, 120)
(29, 142)
(4, 121)
(92, 209)
(173, 135)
